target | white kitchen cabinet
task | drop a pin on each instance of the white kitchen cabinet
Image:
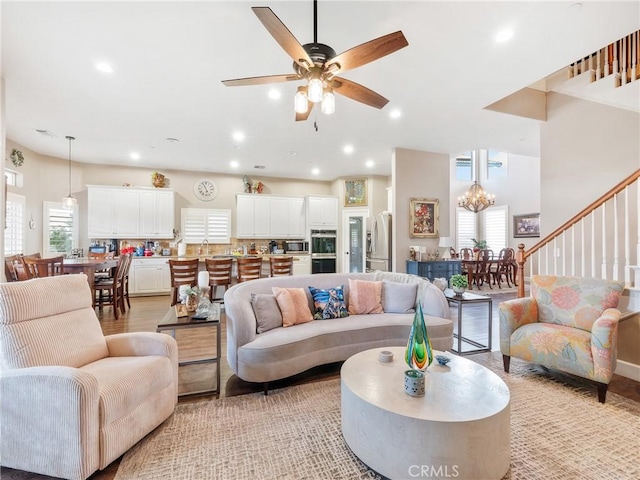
(117, 212)
(113, 212)
(270, 216)
(301, 264)
(322, 212)
(149, 276)
(157, 214)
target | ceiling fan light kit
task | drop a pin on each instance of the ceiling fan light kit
(318, 64)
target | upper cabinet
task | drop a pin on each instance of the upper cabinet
(116, 212)
(270, 216)
(322, 212)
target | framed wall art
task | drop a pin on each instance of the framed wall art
(526, 225)
(355, 192)
(424, 218)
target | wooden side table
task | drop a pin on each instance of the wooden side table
(468, 298)
(172, 323)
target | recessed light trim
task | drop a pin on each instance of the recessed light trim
(104, 67)
(274, 94)
(370, 163)
(238, 136)
(504, 35)
(134, 156)
(315, 171)
(348, 149)
(234, 164)
(395, 113)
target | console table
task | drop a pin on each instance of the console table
(435, 269)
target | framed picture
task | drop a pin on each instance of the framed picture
(527, 225)
(355, 192)
(424, 218)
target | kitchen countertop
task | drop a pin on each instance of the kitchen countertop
(264, 257)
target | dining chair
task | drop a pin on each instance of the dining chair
(102, 256)
(125, 282)
(14, 268)
(219, 275)
(113, 286)
(280, 266)
(502, 268)
(183, 272)
(482, 271)
(43, 267)
(249, 268)
(466, 254)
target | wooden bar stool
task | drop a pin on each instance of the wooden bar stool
(219, 275)
(249, 268)
(183, 272)
(113, 287)
(280, 266)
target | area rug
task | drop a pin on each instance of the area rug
(559, 431)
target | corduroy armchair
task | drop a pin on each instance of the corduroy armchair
(74, 400)
(568, 324)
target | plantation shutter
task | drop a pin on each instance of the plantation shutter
(466, 228)
(495, 225)
(213, 225)
(14, 224)
(59, 229)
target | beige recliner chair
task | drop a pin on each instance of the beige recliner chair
(74, 400)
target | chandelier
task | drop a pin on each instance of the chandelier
(476, 199)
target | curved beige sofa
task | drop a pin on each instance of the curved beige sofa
(282, 352)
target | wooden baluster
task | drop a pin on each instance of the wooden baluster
(627, 239)
(583, 257)
(573, 249)
(604, 241)
(623, 61)
(520, 275)
(593, 243)
(616, 253)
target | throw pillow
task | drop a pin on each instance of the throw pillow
(267, 312)
(293, 304)
(365, 297)
(398, 297)
(329, 303)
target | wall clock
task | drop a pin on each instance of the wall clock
(205, 190)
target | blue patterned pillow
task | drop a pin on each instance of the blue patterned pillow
(329, 303)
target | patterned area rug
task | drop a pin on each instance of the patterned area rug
(559, 431)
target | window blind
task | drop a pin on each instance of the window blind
(495, 225)
(59, 229)
(14, 222)
(466, 228)
(199, 224)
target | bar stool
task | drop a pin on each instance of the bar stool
(113, 287)
(183, 272)
(281, 266)
(249, 268)
(219, 275)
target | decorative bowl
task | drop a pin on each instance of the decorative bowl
(442, 359)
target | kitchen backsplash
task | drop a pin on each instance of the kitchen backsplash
(199, 249)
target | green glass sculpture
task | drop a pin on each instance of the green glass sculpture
(419, 353)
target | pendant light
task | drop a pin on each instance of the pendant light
(476, 199)
(69, 201)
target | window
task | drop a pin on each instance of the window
(464, 167)
(213, 225)
(59, 229)
(495, 227)
(466, 228)
(14, 231)
(496, 164)
(13, 178)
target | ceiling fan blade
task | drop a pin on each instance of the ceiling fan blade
(303, 116)
(283, 36)
(368, 52)
(357, 92)
(239, 82)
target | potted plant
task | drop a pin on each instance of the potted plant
(459, 283)
(191, 298)
(479, 245)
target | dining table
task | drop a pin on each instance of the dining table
(469, 266)
(89, 266)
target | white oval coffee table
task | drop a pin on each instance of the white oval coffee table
(459, 429)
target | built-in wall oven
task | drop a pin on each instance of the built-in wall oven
(323, 251)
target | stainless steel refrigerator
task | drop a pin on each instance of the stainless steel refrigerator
(379, 251)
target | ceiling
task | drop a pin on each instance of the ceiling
(169, 59)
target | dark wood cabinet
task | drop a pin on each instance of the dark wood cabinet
(436, 269)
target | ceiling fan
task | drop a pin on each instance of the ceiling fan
(318, 64)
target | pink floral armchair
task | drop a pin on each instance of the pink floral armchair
(568, 324)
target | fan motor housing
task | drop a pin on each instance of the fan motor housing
(319, 53)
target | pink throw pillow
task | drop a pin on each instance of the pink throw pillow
(293, 304)
(365, 297)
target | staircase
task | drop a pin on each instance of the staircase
(603, 240)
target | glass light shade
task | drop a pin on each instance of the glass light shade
(315, 90)
(69, 201)
(300, 103)
(328, 103)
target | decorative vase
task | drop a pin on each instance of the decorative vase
(414, 383)
(458, 290)
(191, 303)
(419, 353)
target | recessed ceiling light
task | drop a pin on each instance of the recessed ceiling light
(274, 94)
(234, 164)
(369, 163)
(238, 136)
(104, 67)
(134, 156)
(504, 35)
(315, 171)
(395, 113)
(348, 149)
(172, 140)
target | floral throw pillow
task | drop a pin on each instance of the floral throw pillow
(329, 303)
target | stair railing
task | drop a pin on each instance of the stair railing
(589, 244)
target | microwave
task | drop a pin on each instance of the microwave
(296, 246)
